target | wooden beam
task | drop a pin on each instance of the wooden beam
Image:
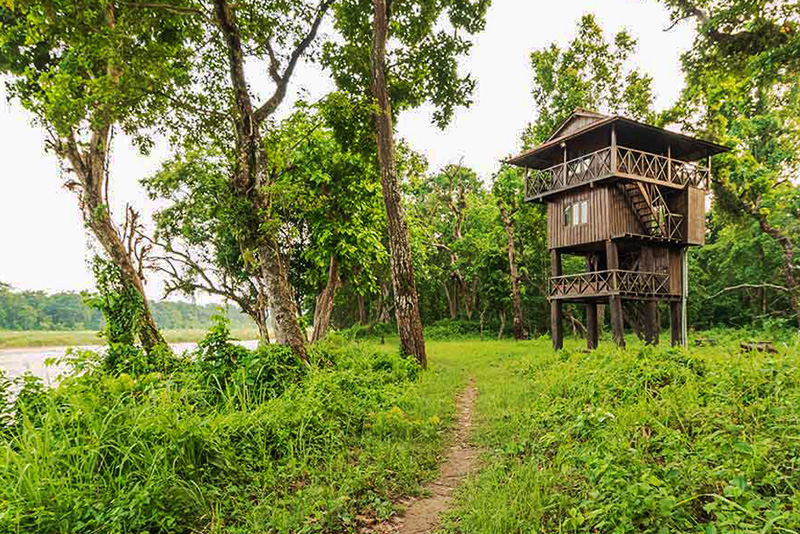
(676, 322)
(651, 306)
(613, 149)
(556, 306)
(615, 301)
(591, 325)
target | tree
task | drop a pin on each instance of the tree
(507, 189)
(83, 68)
(591, 73)
(442, 201)
(428, 57)
(743, 90)
(197, 250)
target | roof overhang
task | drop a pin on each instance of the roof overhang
(683, 147)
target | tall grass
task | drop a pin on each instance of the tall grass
(645, 440)
(238, 441)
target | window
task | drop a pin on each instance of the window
(576, 213)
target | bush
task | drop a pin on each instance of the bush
(452, 329)
(237, 441)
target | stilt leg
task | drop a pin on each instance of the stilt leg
(651, 322)
(557, 324)
(591, 325)
(676, 323)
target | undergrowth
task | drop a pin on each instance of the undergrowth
(223, 440)
(653, 440)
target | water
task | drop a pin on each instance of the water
(15, 362)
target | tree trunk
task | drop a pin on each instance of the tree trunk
(281, 304)
(409, 324)
(502, 324)
(90, 169)
(519, 324)
(250, 181)
(786, 244)
(383, 308)
(324, 305)
(362, 310)
(452, 305)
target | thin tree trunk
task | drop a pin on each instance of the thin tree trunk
(362, 310)
(324, 305)
(409, 324)
(502, 324)
(519, 324)
(90, 169)
(452, 305)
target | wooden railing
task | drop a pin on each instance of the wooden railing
(602, 164)
(611, 282)
(660, 168)
(573, 172)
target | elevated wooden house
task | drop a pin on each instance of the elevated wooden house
(629, 198)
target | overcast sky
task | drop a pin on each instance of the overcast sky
(43, 244)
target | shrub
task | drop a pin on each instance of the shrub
(237, 441)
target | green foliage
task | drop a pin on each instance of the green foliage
(644, 440)
(590, 73)
(230, 371)
(239, 441)
(428, 39)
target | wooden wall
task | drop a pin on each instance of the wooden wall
(596, 229)
(675, 271)
(696, 216)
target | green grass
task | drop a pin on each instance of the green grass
(45, 338)
(644, 440)
(231, 444)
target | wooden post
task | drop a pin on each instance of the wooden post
(675, 322)
(591, 325)
(613, 149)
(615, 301)
(556, 310)
(669, 163)
(565, 163)
(648, 265)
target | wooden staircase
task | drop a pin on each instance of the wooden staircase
(648, 205)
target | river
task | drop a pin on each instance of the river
(15, 362)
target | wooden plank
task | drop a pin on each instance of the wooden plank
(696, 216)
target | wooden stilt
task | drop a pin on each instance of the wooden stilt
(591, 325)
(651, 306)
(615, 301)
(556, 308)
(676, 322)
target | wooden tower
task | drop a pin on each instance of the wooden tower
(630, 199)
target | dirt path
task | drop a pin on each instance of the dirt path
(422, 515)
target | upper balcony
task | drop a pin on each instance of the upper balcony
(614, 161)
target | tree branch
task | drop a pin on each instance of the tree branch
(282, 80)
(748, 286)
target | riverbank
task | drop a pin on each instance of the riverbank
(13, 339)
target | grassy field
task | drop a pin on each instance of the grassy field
(644, 440)
(45, 338)
(654, 440)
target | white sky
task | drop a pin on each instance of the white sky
(43, 244)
